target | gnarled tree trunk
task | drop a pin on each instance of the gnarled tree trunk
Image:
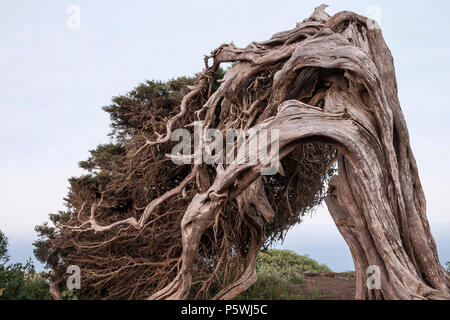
(376, 200)
(330, 80)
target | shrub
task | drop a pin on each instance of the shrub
(280, 276)
(69, 295)
(19, 281)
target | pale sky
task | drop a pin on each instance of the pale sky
(54, 81)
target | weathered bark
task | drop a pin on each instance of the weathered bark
(54, 289)
(362, 209)
(376, 201)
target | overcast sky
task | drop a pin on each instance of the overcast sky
(55, 79)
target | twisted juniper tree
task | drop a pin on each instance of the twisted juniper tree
(141, 226)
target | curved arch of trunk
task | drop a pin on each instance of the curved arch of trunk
(376, 201)
(330, 80)
(361, 201)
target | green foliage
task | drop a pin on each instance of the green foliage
(43, 249)
(3, 247)
(19, 281)
(68, 295)
(102, 157)
(280, 276)
(156, 99)
(286, 263)
(447, 264)
(150, 100)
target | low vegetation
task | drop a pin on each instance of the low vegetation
(19, 281)
(280, 276)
